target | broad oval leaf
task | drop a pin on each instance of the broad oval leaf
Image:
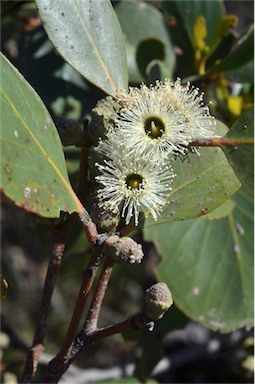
(32, 164)
(142, 21)
(88, 36)
(201, 184)
(208, 266)
(241, 157)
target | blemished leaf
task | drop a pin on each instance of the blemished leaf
(241, 157)
(32, 164)
(222, 211)
(208, 266)
(201, 184)
(141, 21)
(88, 36)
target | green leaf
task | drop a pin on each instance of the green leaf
(181, 16)
(142, 21)
(156, 70)
(208, 266)
(147, 51)
(33, 167)
(243, 74)
(241, 157)
(222, 211)
(220, 49)
(87, 34)
(188, 12)
(241, 54)
(201, 184)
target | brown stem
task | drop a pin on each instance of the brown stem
(219, 141)
(56, 365)
(84, 340)
(89, 326)
(88, 226)
(88, 278)
(59, 234)
(95, 307)
(61, 362)
(138, 322)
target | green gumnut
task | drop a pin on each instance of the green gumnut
(158, 299)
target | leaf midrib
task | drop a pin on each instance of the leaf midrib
(92, 42)
(48, 158)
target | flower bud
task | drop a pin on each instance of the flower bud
(123, 250)
(158, 300)
(94, 157)
(106, 221)
(103, 118)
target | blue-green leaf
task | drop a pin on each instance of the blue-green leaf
(208, 265)
(87, 34)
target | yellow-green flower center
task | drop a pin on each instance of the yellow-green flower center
(154, 127)
(134, 181)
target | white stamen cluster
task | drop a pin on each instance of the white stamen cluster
(176, 111)
(131, 183)
(151, 124)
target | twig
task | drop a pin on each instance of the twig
(96, 303)
(88, 226)
(219, 141)
(89, 326)
(61, 362)
(57, 364)
(83, 341)
(59, 234)
(139, 321)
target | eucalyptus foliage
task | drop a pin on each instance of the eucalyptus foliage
(203, 230)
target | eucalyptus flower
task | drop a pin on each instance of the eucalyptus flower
(131, 184)
(157, 120)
